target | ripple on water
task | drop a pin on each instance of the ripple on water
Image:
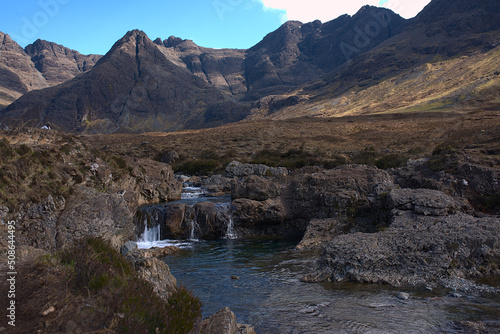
(270, 296)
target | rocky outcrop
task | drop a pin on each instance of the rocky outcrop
(253, 218)
(237, 169)
(284, 206)
(223, 68)
(424, 244)
(457, 175)
(90, 213)
(338, 192)
(224, 322)
(424, 202)
(157, 273)
(205, 220)
(321, 231)
(256, 188)
(37, 223)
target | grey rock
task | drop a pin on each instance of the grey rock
(157, 273)
(224, 322)
(237, 169)
(425, 202)
(129, 246)
(321, 231)
(402, 296)
(90, 213)
(169, 157)
(256, 188)
(414, 250)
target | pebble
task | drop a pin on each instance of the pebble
(403, 296)
(48, 311)
(455, 295)
(308, 310)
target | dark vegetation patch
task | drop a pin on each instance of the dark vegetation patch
(94, 289)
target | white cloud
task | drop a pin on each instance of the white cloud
(326, 10)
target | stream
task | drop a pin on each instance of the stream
(259, 280)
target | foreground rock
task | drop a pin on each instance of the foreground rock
(424, 244)
(224, 322)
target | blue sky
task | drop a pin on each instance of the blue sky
(93, 26)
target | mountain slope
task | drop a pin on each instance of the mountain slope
(222, 68)
(133, 88)
(18, 74)
(297, 53)
(372, 62)
(58, 63)
(441, 32)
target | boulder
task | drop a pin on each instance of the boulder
(224, 322)
(216, 184)
(128, 246)
(336, 192)
(155, 181)
(212, 224)
(157, 273)
(258, 217)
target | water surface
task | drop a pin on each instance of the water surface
(269, 295)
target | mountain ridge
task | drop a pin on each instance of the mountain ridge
(296, 66)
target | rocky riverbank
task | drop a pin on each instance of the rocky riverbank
(60, 193)
(406, 226)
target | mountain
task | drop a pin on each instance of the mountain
(427, 48)
(39, 65)
(298, 53)
(370, 62)
(18, 75)
(133, 88)
(57, 63)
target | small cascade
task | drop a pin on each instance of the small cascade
(225, 213)
(185, 221)
(231, 232)
(150, 235)
(189, 191)
(194, 230)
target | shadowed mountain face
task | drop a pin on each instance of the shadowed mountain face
(58, 63)
(141, 85)
(133, 88)
(298, 53)
(18, 74)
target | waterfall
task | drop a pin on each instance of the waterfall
(150, 234)
(225, 213)
(231, 232)
(193, 224)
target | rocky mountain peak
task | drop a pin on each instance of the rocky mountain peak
(58, 63)
(18, 74)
